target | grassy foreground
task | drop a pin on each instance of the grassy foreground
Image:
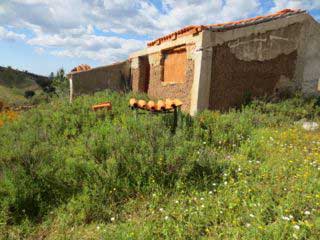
(69, 173)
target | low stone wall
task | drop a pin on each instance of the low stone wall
(115, 77)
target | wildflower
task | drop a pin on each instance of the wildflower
(166, 218)
(210, 192)
(214, 184)
(297, 227)
(161, 209)
(290, 216)
(251, 215)
(153, 195)
(307, 213)
(176, 201)
(98, 227)
(285, 218)
(112, 219)
(204, 143)
(202, 206)
(202, 199)
(248, 225)
(225, 183)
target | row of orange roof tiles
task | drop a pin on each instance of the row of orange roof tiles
(153, 106)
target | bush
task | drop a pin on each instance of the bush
(29, 94)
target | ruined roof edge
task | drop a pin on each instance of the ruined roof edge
(226, 26)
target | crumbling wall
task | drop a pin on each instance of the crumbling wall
(115, 77)
(310, 58)
(261, 64)
(157, 88)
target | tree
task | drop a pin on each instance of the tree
(60, 83)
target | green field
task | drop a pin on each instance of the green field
(69, 173)
(14, 84)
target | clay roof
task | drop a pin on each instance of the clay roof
(224, 26)
(80, 68)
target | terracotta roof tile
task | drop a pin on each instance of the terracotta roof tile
(224, 26)
(80, 68)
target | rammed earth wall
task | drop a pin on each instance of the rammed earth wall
(115, 77)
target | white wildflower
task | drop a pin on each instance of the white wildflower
(210, 192)
(161, 209)
(251, 215)
(297, 227)
(307, 213)
(98, 227)
(285, 218)
(166, 217)
(112, 219)
(248, 225)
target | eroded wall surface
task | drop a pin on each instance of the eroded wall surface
(310, 59)
(257, 65)
(157, 88)
(115, 77)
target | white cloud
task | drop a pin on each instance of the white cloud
(10, 35)
(102, 48)
(295, 4)
(67, 28)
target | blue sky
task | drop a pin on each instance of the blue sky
(43, 35)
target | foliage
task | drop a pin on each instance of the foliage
(60, 83)
(69, 173)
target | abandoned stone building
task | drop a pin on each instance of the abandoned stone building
(216, 66)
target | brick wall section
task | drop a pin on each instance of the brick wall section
(232, 78)
(157, 89)
(182, 91)
(115, 77)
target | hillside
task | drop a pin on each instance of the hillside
(14, 83)
(67, 172)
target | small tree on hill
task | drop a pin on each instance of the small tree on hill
(60, 83)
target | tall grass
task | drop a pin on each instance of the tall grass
(69, 173)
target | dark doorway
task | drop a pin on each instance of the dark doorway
(144, 74)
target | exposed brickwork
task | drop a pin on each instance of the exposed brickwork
(232, 78)
(182, 91)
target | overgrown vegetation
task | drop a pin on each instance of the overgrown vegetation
(18, 88)
(69, 173)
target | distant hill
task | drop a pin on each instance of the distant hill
(14, 83)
